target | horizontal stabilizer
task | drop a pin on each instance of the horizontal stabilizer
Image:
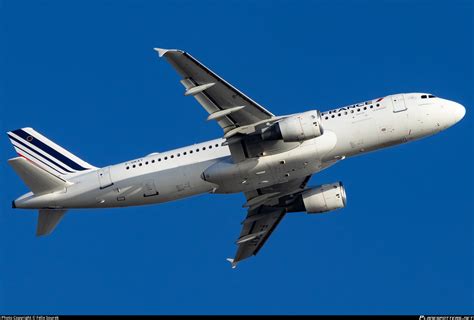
(38, 180)
(48, 219)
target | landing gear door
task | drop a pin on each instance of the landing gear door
(104, 177)
(398, 102)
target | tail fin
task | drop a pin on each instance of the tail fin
(48, 219)
(43, 152)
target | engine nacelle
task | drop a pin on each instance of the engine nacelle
(299, 127)
(325, 198)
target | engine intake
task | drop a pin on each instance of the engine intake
(299, 127)
(325, 198)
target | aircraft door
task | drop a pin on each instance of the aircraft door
(104, 177)
(398, 102)
(149, 189)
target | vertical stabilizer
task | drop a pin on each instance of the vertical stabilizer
(46, 154)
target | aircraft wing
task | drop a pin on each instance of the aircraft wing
(265, 212)
(224, 103)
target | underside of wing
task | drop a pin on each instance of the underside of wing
(257, 228)
(267, 207)
(224, 103)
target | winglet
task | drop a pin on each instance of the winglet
(161, 52)
(232, 263)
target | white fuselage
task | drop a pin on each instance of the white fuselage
(180, 173)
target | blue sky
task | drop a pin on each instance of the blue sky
(84, 74)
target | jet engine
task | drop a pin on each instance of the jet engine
(299, 127)
(321, 199)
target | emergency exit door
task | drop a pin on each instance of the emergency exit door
(398, 102)
(104, 177)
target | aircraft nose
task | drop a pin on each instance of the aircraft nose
(458, 111)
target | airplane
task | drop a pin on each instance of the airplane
(267, 157)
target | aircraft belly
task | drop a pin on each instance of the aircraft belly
(182, 182)
(265, 171)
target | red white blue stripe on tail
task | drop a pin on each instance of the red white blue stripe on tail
(46, 154)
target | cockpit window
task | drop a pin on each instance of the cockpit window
(427, 96)
(431, 96)
(424, 96)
